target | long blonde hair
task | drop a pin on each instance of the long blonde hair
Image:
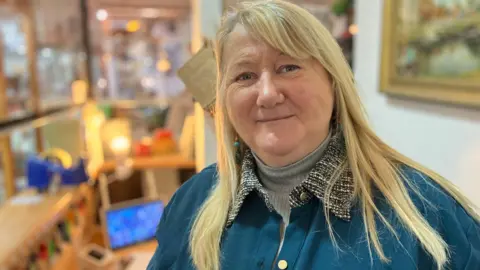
(297, 33)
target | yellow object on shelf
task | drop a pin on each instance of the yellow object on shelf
(164, 147)
(163, 143)
(62, 155)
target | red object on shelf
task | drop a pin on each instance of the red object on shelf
(162, 134)
(142, 150)
(43, 252)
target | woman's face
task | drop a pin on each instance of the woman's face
(279, 106)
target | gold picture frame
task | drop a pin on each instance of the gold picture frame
(419, 34)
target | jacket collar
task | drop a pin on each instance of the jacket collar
(331, 171)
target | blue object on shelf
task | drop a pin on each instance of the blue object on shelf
(40, 173)
(75, 175)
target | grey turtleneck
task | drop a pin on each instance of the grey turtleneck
(280, 181)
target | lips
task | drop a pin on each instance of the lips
(274, 119)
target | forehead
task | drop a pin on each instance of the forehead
(242, 45)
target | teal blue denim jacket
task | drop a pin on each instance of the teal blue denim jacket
(253, 239)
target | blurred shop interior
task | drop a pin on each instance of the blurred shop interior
(97, 130)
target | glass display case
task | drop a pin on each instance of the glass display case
(61, 59)
(58, 69)
(37, 35)
(141, 63)
(15, 64)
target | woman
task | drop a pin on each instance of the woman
(302, 182)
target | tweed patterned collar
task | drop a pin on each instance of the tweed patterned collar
(318, 180)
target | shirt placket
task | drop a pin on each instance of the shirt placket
(294, 237)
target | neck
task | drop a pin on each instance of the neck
(284, 179)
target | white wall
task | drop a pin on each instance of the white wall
(445, 139)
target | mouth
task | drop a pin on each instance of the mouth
(274, 119)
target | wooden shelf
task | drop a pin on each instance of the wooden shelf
(175, 161)
(67, 260)
(23, 225)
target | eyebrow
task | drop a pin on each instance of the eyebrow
(242, 63)
(243, 60)
(243, 57)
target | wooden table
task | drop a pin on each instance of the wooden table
(139, 254)
(149, 246)
(22, 225)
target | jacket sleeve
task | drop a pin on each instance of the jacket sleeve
(462, 234)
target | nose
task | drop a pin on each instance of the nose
(269, 94)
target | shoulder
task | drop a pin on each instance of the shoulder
(193, 192)
(184, 204)
(448, 217)
(423, 189)
(427, 194)
(174, 227)
(202, 181)
(426, 190)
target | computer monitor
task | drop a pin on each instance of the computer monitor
(130, 223)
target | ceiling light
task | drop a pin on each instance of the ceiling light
(149, 13)
(102, 14)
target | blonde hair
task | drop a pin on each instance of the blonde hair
(294, 31)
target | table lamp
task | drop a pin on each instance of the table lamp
(121, 149)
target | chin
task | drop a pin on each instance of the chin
(280, 147)
(278, 151)
(278, 142)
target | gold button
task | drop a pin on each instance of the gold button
(303, 196)
(282, 264)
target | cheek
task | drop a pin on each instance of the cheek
(239, 107)
(314, 101)
(325, 98)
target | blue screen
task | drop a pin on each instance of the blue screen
(133, 224)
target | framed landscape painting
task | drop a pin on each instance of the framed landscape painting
(431, 50)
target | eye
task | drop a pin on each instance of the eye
(244, 76)
(288, 68)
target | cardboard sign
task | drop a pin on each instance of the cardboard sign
(199, 75)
